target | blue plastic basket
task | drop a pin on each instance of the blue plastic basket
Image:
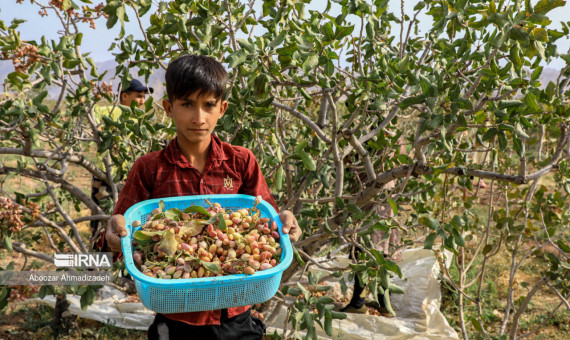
(207, 293)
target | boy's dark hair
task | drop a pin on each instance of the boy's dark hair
(195, 73)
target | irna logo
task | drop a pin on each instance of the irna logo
(86, 261)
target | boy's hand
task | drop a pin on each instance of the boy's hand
(290, 225)
(115, 230)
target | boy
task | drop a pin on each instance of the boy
(196, 162)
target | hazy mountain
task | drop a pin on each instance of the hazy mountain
(6, 67)
(549, 75)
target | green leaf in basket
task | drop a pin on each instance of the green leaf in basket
(213, 267)
(143, 243)
(190, 258)
(161, 205)
(174, 214)
(143, 235)
(197, 209)
(168, 244)
(191, 228)
(222, 224)
(212, 219)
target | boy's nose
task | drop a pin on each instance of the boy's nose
(199, 117)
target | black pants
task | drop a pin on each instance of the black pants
(357, 301)
(240, 327)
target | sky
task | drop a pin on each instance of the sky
(36, 26)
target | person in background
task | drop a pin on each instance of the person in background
(136, 92)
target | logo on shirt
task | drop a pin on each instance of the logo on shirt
(228, 183)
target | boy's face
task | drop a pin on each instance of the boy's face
(195, 116)
(137, 96)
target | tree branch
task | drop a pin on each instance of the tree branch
(21, 248)
(305, 119)
(79, 160)
(75, 191)
(64, 214)
(150, 45)
(339, 166)
(524, 304)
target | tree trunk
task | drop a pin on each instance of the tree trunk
(61, 306)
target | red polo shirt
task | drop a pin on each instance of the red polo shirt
(166, 173)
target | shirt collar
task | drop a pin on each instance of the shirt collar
(217, 155)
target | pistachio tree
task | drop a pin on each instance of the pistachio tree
(326, 97)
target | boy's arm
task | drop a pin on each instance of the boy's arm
(115, 230)
(137, 188)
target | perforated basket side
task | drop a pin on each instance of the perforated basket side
(198, 299)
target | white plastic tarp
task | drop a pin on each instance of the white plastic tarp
(112, 308)
(418, 315)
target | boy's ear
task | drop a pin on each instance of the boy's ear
(223, 107)
(167, 107)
